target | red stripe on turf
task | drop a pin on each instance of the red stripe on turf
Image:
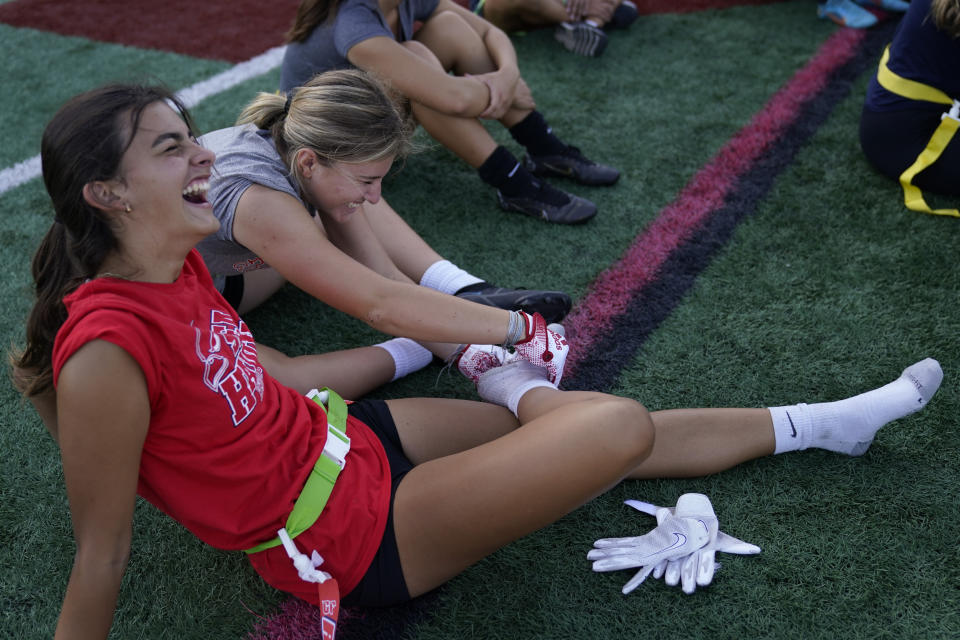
(232, 30)
(612, 291)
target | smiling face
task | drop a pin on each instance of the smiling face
(164, 176)
(341, 188)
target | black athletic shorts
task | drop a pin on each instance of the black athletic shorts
(233, 290)
(892, 140)
(383, 584)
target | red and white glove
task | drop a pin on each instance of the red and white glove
(543, 347)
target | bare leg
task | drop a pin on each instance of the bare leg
(698, 442)
(404, 246)
(452, 511)
(516, 15)
(257, 287)
(351, 372)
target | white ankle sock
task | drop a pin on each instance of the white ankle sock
(446, 277)
(848, 426)
(408, 356)
(507, 384)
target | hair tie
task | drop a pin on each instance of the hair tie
(286, 105)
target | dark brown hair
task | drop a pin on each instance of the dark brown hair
(310, 14)
(83, 143)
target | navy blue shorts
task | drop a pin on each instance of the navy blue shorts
(892, 140)
(383, 584)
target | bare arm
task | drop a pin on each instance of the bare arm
(104, 414)
(420, 80)
(498, 68)
(275, 226)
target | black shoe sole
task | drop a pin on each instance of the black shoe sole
(577, 211)
(546, 170)
(552, 305)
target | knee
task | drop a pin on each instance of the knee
(626, 429)
(422, 51)
(449, 23)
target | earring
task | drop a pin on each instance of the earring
(127, 208)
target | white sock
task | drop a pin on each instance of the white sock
(446, 277)
(506, 385)
(593, 23)
(408, 356)
(848, 426)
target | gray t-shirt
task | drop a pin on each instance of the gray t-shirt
(356, 20)
(245, 156)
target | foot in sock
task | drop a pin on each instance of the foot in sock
(507, 384)
(849, 426)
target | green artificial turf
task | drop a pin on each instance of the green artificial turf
(42, 70)
(830, 289)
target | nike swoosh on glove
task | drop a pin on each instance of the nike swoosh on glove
(697, 569)
(674, 537)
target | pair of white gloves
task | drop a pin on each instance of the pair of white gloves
(681, 548)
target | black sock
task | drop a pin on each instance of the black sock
(502, 171)
(534, 134)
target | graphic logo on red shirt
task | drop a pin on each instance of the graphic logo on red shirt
(230, 364)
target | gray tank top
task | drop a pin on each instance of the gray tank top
(245, 156)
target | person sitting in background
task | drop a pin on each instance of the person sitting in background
(851, 13)
(297, 191)
(912, 107)
(151, 385)
(486, 83)
(578, 24)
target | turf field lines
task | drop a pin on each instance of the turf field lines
(29, 169)
(629, 300)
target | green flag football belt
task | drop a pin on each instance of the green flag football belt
(316, 490)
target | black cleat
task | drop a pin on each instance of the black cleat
(550, 204)
(552, 305)
(571, 164)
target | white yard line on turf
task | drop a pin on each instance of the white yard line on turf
(191, 96)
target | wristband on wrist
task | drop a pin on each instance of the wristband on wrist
(516, 329)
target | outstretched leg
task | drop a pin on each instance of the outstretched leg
(695, 442)
(453, 510)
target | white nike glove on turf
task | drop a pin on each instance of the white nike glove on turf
(674, 537)
(698, 568)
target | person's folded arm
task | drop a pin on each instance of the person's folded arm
(418, 79)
